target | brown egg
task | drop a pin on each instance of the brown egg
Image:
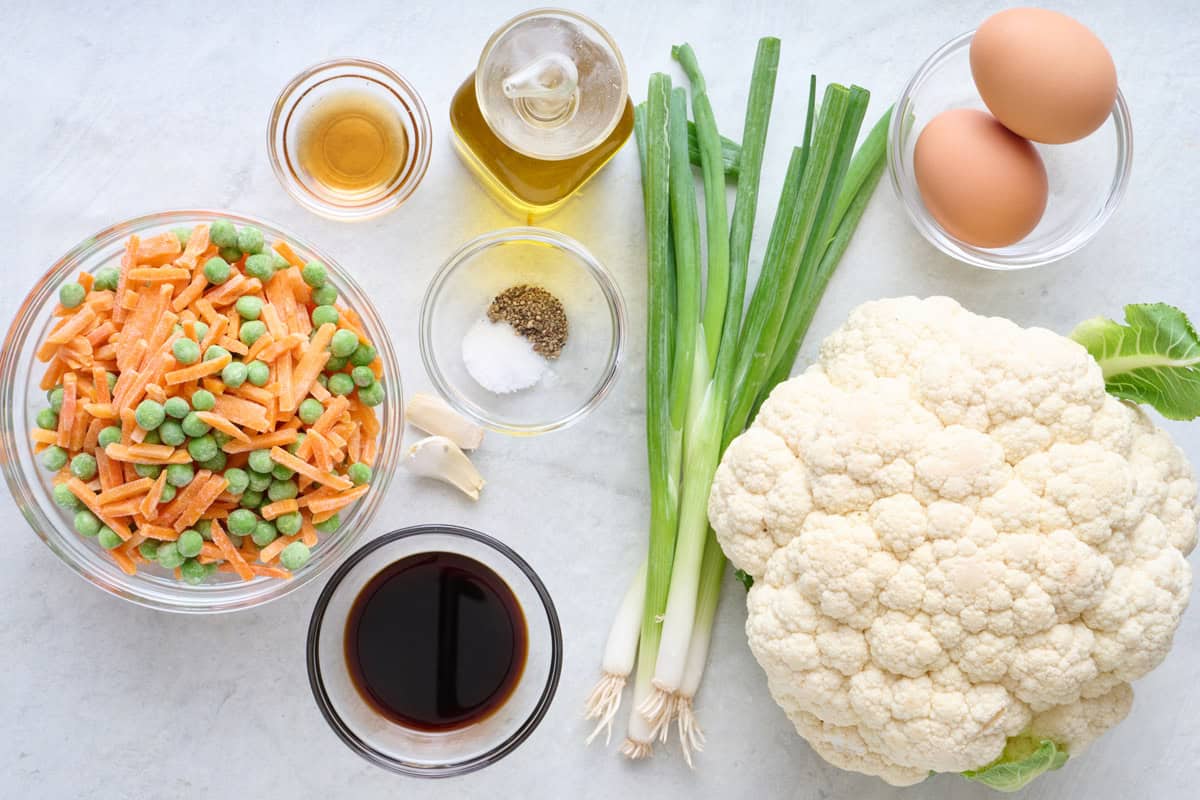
(1044, 75)
(984, 185)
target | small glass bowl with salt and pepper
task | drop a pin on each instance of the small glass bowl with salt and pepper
(522, 330)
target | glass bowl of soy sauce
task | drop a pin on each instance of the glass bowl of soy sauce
(434, 651)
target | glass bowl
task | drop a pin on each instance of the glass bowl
(463, 288)
(432, 754)
(1087, 178)
(318, 84)
(30, 483)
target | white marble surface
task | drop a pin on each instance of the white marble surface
(119, 108)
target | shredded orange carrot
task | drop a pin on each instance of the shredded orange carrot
(161, 295)
(281, 456)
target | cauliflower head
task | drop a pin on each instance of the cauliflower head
(956, 537)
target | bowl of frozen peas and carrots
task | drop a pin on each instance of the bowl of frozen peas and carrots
(200, 411)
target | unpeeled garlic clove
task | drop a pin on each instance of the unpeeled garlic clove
(439, 457)
(434, 416)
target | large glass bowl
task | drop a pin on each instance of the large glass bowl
(30, 483)
(1087, 177)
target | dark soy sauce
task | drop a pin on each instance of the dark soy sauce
(435, 641)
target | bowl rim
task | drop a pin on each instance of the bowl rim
(281, 113)
(51, 532)
(987, 258)
(353, 741)
(599, 273)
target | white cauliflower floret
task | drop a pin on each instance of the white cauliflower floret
(957, 537)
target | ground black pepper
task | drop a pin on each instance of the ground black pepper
(535, 314)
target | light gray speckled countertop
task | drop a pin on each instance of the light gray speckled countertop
(120, 108)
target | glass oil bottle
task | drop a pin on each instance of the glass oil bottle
(547, 106)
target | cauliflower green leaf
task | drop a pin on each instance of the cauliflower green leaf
(1024, 758)
(1153, 359)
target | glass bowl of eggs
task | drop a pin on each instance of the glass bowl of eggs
(1001, 173)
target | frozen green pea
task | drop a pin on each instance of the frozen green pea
(281, 490)
(325, 296)
(251, 499)
(168, 555)
(147, 470)
(190, 543)
(86, 523)
(168, 493)
(259, 481)
(64, 498)
(363, 355)
(71, 294)
(203, 400)
(260, 461)
(230, 254)
(205, 528)
(340, 384)
(200, 329)
(258, 373)
(250, 239)
(237, 479)
(324, 314)
(149, 550)
(180, 475)
(323, 379)
(184, 235)
(250, 332)
(109, 435)
(234, 374)
(47, 419)
(203, 447)
(295, 555)
(281, 473)
(83, 466)
(55, 397)
(264, 533)
(288, 523)
(314, 274)
(149, 415)
(371, 395)
(310, 410)
(279, 261)
(344, 343)
(359, 473)
(106, 278)
(171, 432)
(330, 525)
(194, 426)
(214, 464)
(213, 352)
(235, 540)
(176, 407)
(362, 376)
(242, 521)
(185, 351)
(222, 233)
(54, 458)
(248, 307)
(108, 538)
(111, 380)
(294, 447)
(152, 437)
(217, 270)
(260, 266)
(335, 363)
(193, 572)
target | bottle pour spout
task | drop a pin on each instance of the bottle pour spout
(546, 87)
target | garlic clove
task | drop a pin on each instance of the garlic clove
(434, 416)
(440, 458)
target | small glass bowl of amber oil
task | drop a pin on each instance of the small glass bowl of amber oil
(349, 139)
